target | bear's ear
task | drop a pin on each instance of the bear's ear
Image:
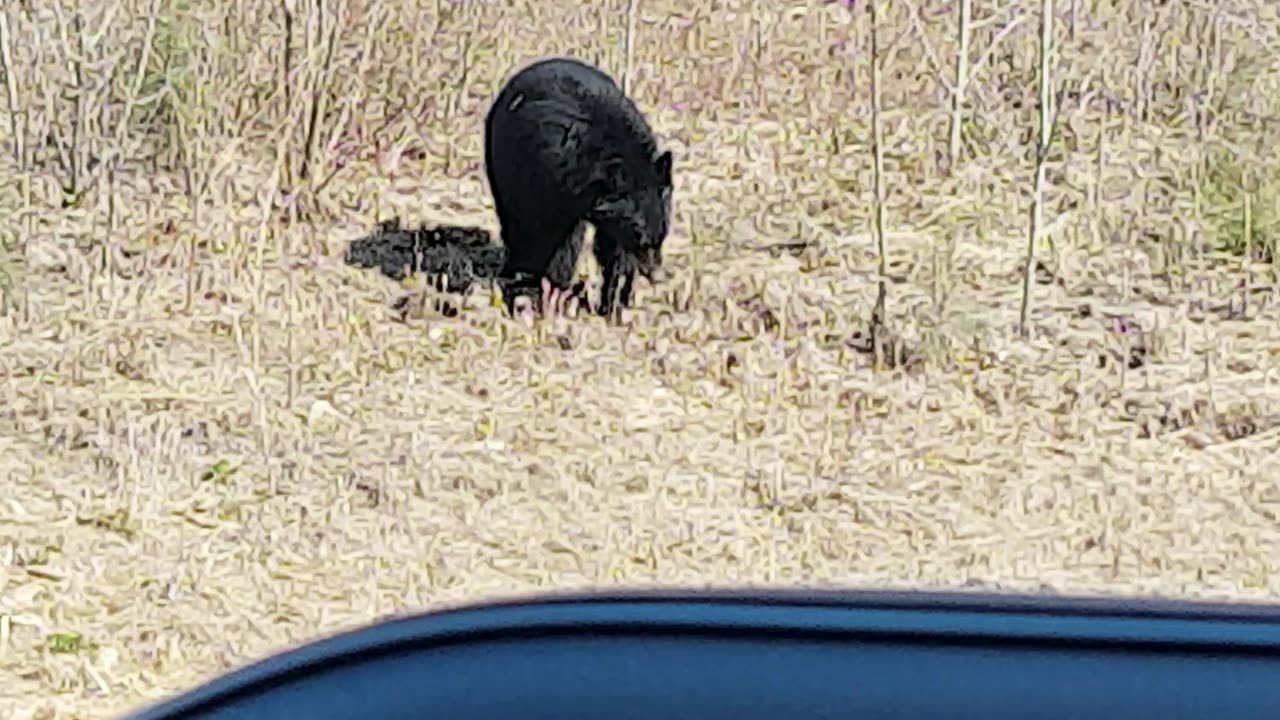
(662, 166)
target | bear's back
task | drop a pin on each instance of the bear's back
(583, 90)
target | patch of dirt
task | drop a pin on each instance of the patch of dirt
(1196, 421)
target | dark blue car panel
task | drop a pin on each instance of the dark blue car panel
(774, 655)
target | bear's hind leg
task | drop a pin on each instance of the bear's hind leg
(563, 264)
(521, 268)
(548, 253)
(564, 261)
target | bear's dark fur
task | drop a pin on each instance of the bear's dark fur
(564, 146)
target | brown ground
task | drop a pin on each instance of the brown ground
(226, 441)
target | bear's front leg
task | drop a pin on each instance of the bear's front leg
(617, 266)
(615, 292)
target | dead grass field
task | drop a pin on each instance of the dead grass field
(217, 440)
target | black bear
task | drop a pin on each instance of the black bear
(564, 146)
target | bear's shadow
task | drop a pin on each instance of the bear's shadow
(453, 258)
(456, 256)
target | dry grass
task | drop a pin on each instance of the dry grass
(218, 440)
